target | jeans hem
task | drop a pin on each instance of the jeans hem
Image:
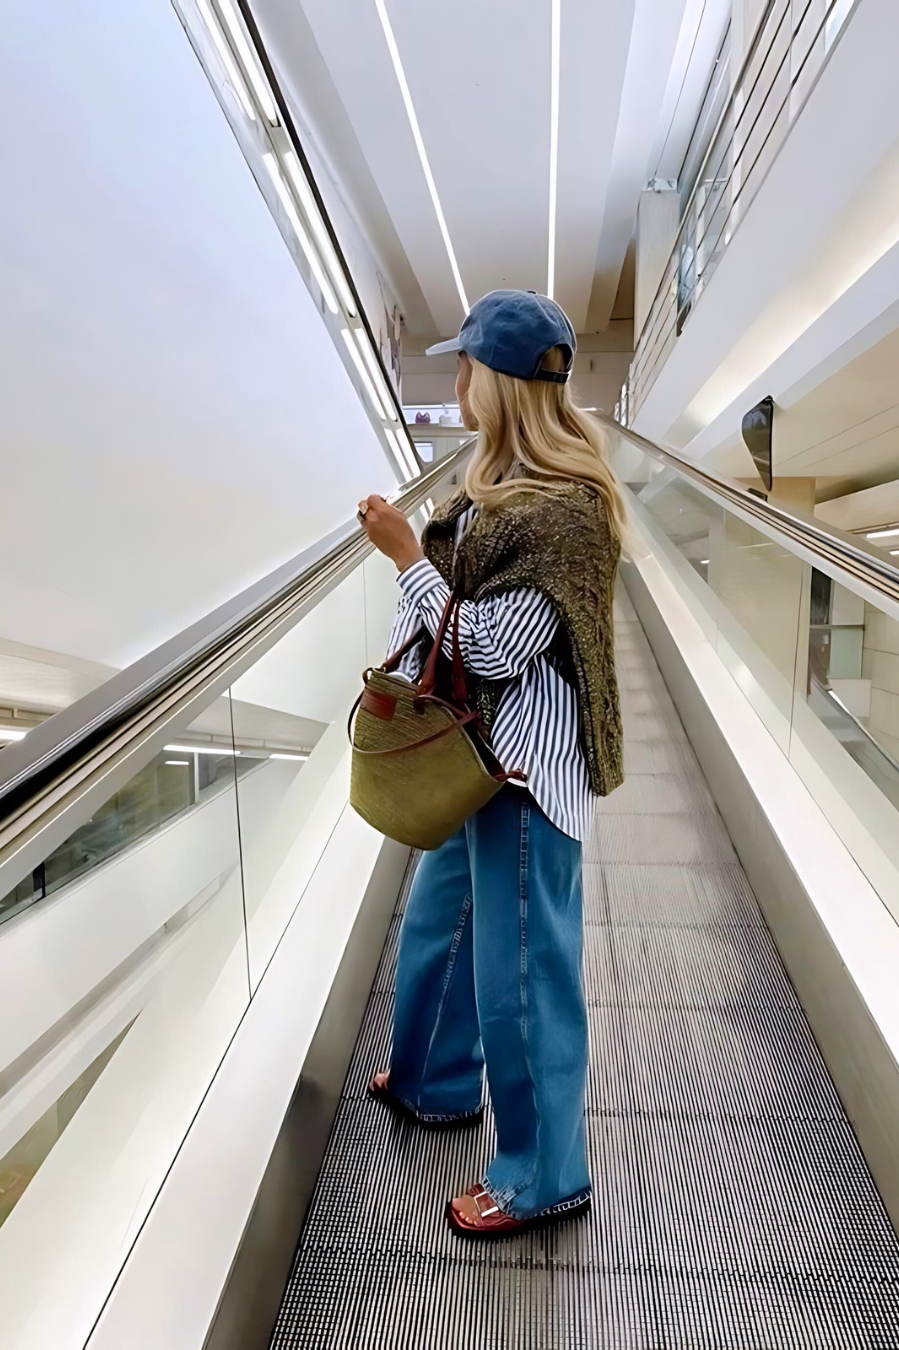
(505, 1198)
(438, 1117)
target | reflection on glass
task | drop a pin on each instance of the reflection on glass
(297, 697)
(173, 782)
(853, 679)
(119, 995)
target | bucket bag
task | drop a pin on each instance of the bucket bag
(420, 765)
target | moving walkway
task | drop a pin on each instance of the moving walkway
(189, 1023)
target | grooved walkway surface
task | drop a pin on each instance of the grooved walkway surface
(732, 1207)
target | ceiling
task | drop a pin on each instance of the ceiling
(632, 77)
(172, 407)
(844, 432)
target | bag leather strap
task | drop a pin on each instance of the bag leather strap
(428, 682)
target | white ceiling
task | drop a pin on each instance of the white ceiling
(844, 432)
(175, 419)
(633, 73)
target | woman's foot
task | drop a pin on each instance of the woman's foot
(476, 1214)
(378, 1088)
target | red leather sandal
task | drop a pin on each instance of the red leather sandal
(378, 1089)
(475, 1214)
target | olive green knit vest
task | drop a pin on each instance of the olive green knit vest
(558, 541)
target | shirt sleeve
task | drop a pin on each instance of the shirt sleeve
(407, 623)
(498, 636)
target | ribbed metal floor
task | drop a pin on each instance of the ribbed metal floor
(732, 1207)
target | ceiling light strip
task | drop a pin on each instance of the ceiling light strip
(218, 750)
(293, 216)
(403, 452)
(420, 147)
(368, 356)
(555, 58)
(883, 534)
(356, 357)
(226, 58)
(320, 230)
(249, 61)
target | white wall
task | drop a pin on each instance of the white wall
(823, 220)
(176, 420)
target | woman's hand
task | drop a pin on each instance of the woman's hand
(389, 530)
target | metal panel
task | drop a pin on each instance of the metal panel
(733, 1207)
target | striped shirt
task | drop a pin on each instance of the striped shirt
(506, 637)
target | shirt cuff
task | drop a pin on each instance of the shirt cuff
(419, 580)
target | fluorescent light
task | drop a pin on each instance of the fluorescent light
(894, 552)
(884, 534)
(403, 452)
(420, 147)
(226, 58)
(703, 562)
(555, 59)
(184, 762)
(320, 230)
(368, 357)
(304, 755)
(250, 61)
(293, 216)
(200, 750)
(8, 734)
(364, 376)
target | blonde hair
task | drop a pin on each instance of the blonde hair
(536, 426)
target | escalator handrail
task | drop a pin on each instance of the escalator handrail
(53, 746)
(856, 722)
(792, 525)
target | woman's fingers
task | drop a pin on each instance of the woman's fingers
(370, 504)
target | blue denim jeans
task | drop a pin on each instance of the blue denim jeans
(490, 972)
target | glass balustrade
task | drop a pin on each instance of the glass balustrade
(817, 659)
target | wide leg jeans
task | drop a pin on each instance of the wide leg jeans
(489, 972)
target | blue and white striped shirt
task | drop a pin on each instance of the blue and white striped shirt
(506, 637)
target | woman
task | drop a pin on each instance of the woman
(489, 966)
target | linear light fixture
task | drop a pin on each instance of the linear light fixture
(356, 356)
(293, 216)
(403, 452)
(894, 552)
(884, 534)
(9, 734)
(368, 356)
(556, 60)
(226, 57)
(420, 147)
(200, 750)
(249, 61)
(322, 238)
(305, 755)
(179, 763)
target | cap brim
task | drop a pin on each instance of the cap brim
(451, 345)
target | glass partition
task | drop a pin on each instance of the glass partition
(130, 952)
(818, 661)
(123, 974)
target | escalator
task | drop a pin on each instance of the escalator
(188, 1020)
(732, 1205)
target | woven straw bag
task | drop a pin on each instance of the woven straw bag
(419, 765)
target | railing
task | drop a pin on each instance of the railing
(791, 45)
(67, 766)
(157, 840)
(752, 571)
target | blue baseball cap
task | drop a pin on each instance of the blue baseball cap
(511, 332)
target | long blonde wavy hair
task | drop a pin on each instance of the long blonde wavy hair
(536, 428)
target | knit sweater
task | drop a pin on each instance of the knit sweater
(558, 541)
